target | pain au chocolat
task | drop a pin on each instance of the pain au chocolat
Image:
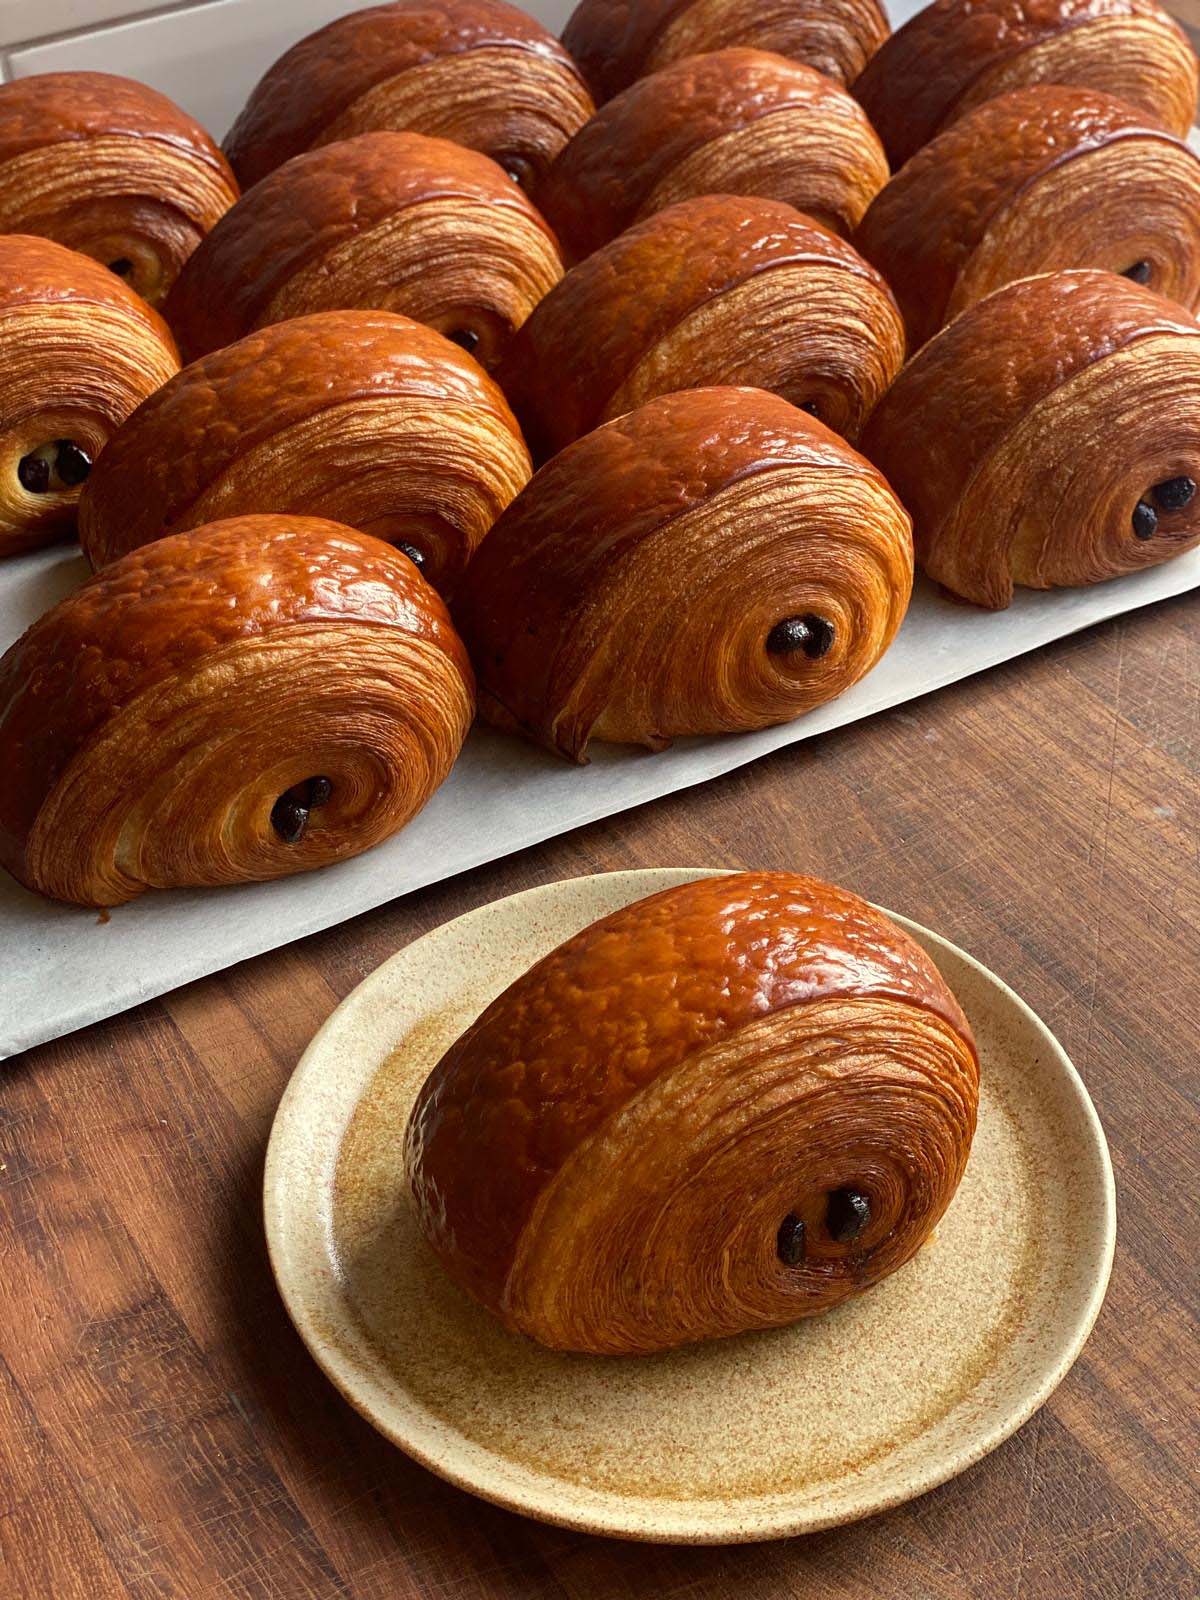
(79, 352)
(735, 121)
(253, 698)
(394, 221)
(715, 560)
(615, 41)
(480, 72)
(718, 290)
(362, 416)
(957, 53)
(729, 1106)
(110, 168)
(1049, 436)
(1031, 181)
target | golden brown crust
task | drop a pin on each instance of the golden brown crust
(449, 67)
(734, 122)
(1032, 181)
(64, 107)
(1024, 434)
(363, 416)
(718, 290)
(955, 53)
(616, 41)
(717, 1057)
(388, 221)
(80, 352)
(151, 719)
(628, 594)
(111, 169)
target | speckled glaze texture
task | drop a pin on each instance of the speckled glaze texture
(1023, 435)
(80, 351)
(628, 594)
(391, 221)
(112, 169)
(956, 53)
(616, 41)
(735, 121)
(149, 721)
(1034, 180)
(716, 1442)
(363, 416)
(721, 289)
(478, 71)
(605, 1157)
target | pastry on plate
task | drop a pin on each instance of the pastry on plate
(722, 289)
(112, 169)
(393, 221)
(1049, 436)
(480, 72)
(715, 561)
(1032, 181)
(736, 121)
(78, 351)
(249, 699)
(615, 41)
(726, 1107)
(956, 53)
(362, 416)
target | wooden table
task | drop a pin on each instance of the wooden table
(162, 1430)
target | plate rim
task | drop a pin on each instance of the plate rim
(676, 1523)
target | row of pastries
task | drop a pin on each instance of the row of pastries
(611, 386)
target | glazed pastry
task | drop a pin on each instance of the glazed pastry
(362, 416)
(616, 41)
(80, 351)
(716, 560)
(479, 72)
(253, 698)
(733, 122)
(112, 169)
(957, 53)
(716, 290)
(726, 1107)
(1037, 179)
(396, 221)
(1048, 436)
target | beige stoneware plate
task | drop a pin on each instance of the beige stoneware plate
(749, 1438)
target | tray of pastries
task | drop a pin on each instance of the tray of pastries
(488, 426)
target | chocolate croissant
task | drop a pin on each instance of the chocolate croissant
(396, 221)
(253, 698)
(732, 122)
(111, 169)
(716, 290)
(1034, 180)
(362, 416)
(726, 1107)
(78, 351)
(616, 41)
(716, 560)
(479, 72)
(1048, 436)
(957, 53)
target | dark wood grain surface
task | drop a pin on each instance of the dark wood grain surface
(162, 1430)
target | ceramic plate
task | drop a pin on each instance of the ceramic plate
(749, 1438)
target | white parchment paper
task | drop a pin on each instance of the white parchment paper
(61, 967)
